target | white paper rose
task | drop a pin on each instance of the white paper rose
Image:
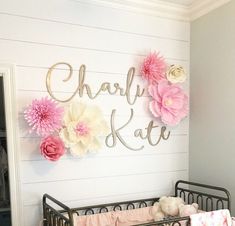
(83, 125)
(176, 74)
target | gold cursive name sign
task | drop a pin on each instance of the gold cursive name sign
(111, 139)
(105, 87)
(115, 134)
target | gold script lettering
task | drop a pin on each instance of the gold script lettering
(114, 135)
(105, 87)
(151, 126)
(129, 81)
(48, 80)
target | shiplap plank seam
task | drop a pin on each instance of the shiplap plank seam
(103, 177)
(37, 137)
(76, 70)
(66, 202)
(96, 27)
(107, 156)
(84, 93)
(86, 49)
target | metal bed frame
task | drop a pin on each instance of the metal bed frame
(208, 197)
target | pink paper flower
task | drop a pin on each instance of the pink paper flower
(169, 102)
(154, 68)
(52, 148)
(44, 116)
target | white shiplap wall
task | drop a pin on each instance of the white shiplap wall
(36, 34)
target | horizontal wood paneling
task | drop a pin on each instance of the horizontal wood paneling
(92, 188)
(88, 38)
(37, 171)
(45, 55)
(175, 144)
(36, 34)
(72, 12)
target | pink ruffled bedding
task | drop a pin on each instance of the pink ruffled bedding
(117, 218)
(143, 215)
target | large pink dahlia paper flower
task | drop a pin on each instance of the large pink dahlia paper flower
(154, 68)
(52, 148)
(44, 116)
(169, 102)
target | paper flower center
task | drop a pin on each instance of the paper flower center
(178, 72)
(82, 129)
(43, 115)
(168, 102)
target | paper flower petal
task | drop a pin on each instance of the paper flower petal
(82, 128)
(44, 116)
(169, 103)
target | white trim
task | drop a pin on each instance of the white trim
(7, 72)
(202, 7)
(149, 7)
(161, 8)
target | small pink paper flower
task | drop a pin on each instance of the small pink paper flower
(154, 68)
(44, 116)
(52, 148)
(169, 102)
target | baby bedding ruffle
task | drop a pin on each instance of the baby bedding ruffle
(117, 218)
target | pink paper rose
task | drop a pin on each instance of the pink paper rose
(52, 148)
(169, 102)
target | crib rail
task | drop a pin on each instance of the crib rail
(53, 217)
(208, 197)
(117, 206)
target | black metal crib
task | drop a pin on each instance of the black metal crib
(208, 197)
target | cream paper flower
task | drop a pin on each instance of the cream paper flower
(176, 74)
(82, 127)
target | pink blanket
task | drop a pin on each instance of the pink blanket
(233, 221)
(213, 218)
(144, 215)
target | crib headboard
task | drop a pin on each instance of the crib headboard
(52, 217)
(117, 206)
(208, 197)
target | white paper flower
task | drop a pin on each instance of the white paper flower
(82, 127)
(176, 74)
